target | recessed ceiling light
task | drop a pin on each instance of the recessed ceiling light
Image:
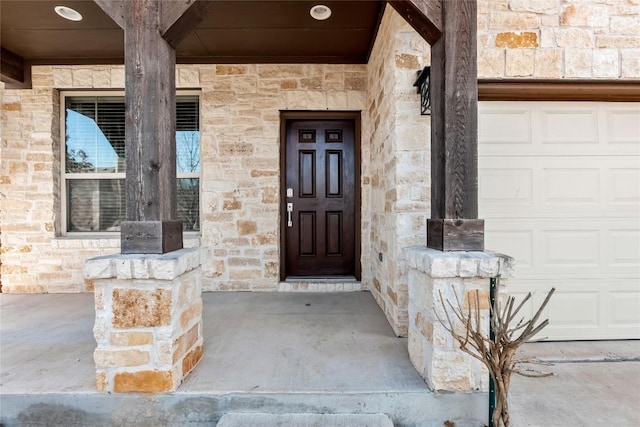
(320, 12)
(68, 13)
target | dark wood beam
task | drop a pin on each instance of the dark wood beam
(454, 223)
(554, 90)
(11, 67)
(178, 19)
(114, 9)
(150, 126)
(425, 16)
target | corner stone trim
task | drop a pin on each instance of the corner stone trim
(167, 266)
(439, 264)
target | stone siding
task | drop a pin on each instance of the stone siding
(397, 174)
(240, 162)
(558, 39)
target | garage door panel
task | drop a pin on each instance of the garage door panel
(559, 129)
(624, 309)
(624, 185)
(623, 248)
(558, 186)
(583, 309)
(567, 247)
(571, 185)
(584, 312)
(505, 125)
(559, 189)
(570, 248)
(623, 125)
(568, 125)
(507, 186)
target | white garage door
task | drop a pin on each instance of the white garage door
(559, 188)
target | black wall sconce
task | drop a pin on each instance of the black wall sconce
(422, 83)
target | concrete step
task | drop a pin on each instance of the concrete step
(304, 420)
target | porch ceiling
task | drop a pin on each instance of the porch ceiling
(267, 31)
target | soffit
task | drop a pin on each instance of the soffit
(267, 31)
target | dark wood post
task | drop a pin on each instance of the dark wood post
(454, 223)
(152, 29)
(152, 225)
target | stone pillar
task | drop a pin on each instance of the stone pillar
(148, 320)
(432, 350)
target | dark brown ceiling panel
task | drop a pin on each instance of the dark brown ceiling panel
(38, 44)
(266, 31)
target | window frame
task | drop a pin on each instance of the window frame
(66, 176)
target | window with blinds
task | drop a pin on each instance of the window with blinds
(94, 162)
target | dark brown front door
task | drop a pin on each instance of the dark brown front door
(320, 197)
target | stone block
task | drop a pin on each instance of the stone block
(185, 342)
(584, 15)
(605, 41)
(131, 338)
(482, 301)
(133, 308)
(191, 359)
(630, 63)
(578, 62)
(194, 311)
(491, 63)
(548, 63)
(441, 266)
(424, 326)
(101, 329)
(514, 40)
(519, 63)
(105, 358)
(606, 63)
(513, 20)
(536, 6)
(101, 381)
(123, 267)
(99, 268)
(468, 267)
(143, 381)
(575, 38)
(416, 352)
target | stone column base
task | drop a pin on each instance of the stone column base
(148, 320)
(432, 350)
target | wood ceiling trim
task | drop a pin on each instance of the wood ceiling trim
(179, 19)
(376, 28)
(567, 90)
(11, 67)
(425, 16)
(114, 10)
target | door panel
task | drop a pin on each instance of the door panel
(320, 169)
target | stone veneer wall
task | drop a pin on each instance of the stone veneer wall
(240, 124)
(554, 39)
(398, 177)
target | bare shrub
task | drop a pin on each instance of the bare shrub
(497, 354)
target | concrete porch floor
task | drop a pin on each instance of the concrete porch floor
(289, 353)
